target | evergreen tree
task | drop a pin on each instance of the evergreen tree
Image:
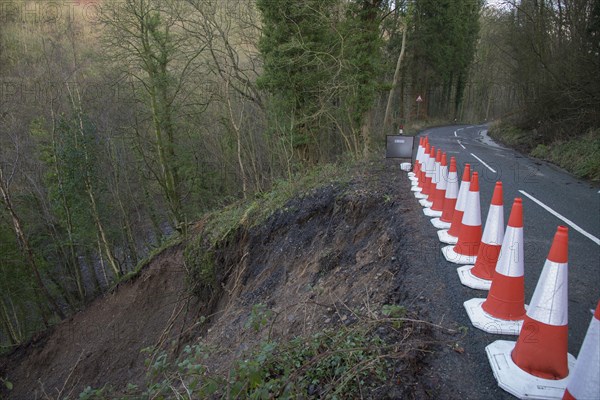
(299, 50)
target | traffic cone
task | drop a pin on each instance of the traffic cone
(435, 176)
(414, 175)
(424, 158)
(424, 161)
(450, 236)
(504, 309)
(479, 276)
(450, 196)
(421, 159)
(538, 365)
(469, 237)
(428, 174)
(584, 382)
(440, 190)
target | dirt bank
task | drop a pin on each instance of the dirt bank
(328, 258)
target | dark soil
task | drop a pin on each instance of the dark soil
(327, 258)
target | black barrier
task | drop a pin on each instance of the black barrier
(399, 146)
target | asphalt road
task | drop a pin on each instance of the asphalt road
(561, 194)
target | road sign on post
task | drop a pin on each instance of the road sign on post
(419, 101)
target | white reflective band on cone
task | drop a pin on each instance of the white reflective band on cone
(430, 170)
(585, 377)
(494, 226)
(548, 304)
(435, 178)
(461, 202)
(511, 260)
(442, 182)
(451, 187)
(472, 215)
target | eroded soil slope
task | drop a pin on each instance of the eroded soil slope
(330, 257)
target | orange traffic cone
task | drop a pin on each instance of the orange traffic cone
(424, 160)
(414, 175)
(440, 190)
(584, 382)
(538, 365)
(429, 171)
(450, 236)
(547, 317)
(450, 196)
(479, 276)
(435, 176)
(423, 171)
(504, 309)
(469, 237)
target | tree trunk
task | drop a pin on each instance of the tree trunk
(388, 108)
(89, 187)
(25, 246)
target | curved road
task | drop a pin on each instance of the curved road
(551, 197)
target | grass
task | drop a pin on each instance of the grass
(580, 155)
(514, 137)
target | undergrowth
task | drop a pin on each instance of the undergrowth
(512, 136)
(344, 362)
(579, 155)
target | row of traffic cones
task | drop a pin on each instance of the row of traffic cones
(537, 365)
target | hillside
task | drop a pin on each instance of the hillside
(329, 261)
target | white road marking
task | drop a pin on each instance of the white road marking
(483, 162)
(461, 145)
(455, 134)
(563, 218)
(469, 127)
(460, 129)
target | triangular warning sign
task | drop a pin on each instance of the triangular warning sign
(419, 99)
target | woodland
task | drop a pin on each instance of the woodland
(122, 122)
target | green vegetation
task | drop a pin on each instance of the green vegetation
(331, 363)
(581, 156)
(122, 126)
(512, 136)
(535, 70)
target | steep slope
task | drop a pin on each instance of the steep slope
(330, 258)
(103, 342)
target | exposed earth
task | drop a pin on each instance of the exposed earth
(329, 258)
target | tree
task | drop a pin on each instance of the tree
(5, 195)
(443, 47)
(362, 56)
(299, 50)
(146, 37)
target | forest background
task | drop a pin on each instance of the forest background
(124, 121)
